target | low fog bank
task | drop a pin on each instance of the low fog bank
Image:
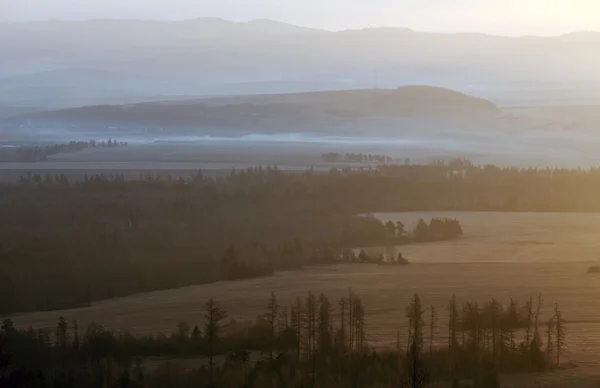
(302, 151)
(419, 123)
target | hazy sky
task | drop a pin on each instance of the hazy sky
(508, 17)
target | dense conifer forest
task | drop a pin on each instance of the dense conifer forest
(66, 244)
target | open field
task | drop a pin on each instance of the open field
(502, 255)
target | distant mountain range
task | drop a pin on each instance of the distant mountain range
(59, 64)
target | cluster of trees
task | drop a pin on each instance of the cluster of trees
(303, 344)
(437, 229)
(334, 157)
(349, 256)
(39, 153)
(370, 231)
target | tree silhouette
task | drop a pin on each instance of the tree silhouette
(272, 319)
(529, 316)
(214, 315)
(432, 327)
(560, 333)
(325, 325)
(61, 333)
(311, 326)
(297, 319)
(550, 327)
(416, 375)
(414, 312)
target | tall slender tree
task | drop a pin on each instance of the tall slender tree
(325, 325)
(311, 320)
(529, 314)
(536, 332)
(432, 327)
(272, 318)
(343, 313)
(550, 339)
(61, 333)
(297, 319)
(214, 316)
(560, 333)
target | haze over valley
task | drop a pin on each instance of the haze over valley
(197, 202)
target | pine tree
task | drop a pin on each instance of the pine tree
(452, 322)
(359, 323)
(495, 312)
(272, 320)
(414, 313)
(560, 333)
(75, 336)
(351, 320)
(550, 338)
(343, 307)
(529, 313)
(61, 333)
(416, 376)
(324, 325)
(432, 328)
(297, 318)
(311, 319)
(512, 323)
(213, 315)
(536, 333)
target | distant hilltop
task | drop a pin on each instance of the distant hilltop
(315, 111)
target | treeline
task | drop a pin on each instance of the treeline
(40, 153)
(306, 343)
(333, 157)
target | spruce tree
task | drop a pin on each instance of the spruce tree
(213, 315)
(560, 333)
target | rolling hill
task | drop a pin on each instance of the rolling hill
(356, 111)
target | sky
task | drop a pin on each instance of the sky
(504, 17)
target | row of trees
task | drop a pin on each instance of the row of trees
(304, 344)
(334, 157)
(39, 153)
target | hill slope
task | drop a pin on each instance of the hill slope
(321, 112)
